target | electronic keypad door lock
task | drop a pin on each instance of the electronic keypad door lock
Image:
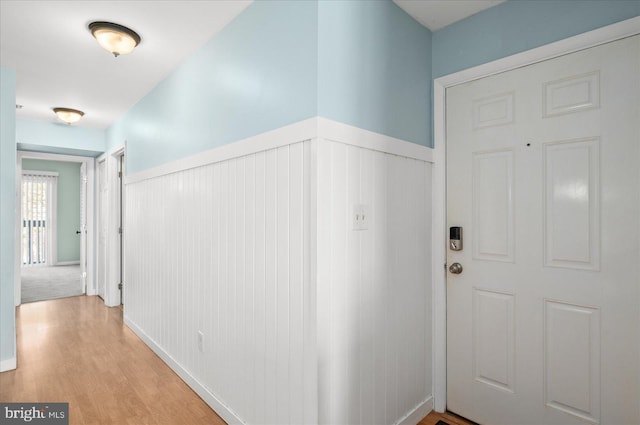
(455, 238)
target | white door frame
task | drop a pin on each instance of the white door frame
(89, 164)
(111, 291)
(583, 41)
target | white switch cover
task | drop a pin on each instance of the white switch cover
(200, 341)
(360, 217)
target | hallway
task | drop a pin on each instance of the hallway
(78, 351)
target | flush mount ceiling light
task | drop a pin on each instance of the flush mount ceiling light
(114, 38)
(68, 115)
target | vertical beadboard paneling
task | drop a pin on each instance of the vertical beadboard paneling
(374, 325)
(297, 165)
(260, 312)
(282, 325)
(221, 249)
(366, 361)
(301, 324)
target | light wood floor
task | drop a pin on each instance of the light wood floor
(78, 351)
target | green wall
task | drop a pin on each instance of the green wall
(68, 204)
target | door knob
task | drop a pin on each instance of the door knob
(455, 268)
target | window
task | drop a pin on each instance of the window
(39, 192)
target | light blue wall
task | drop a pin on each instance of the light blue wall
(364, 63)
(68, 205)
(374, 68)
(43, 136)
(7, 211)
(520, 25)
(257, 74)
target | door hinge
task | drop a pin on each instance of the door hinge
(119, 230)
(120, 174)
(445, 266)
(120, 286)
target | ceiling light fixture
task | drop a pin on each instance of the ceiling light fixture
(114, 38)
(68, 115)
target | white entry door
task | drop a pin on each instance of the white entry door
(543, 176)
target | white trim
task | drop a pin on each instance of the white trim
(53, 219)
(301, 131)
(439, 241)
(17, 236)
(40, 173)
(418, 413)
(54, 156)
(67, 263)
(112, 275)
(123, 215)
(220, 408)
(283, 136)
(343, 133)
(8, 364)
(583, 41)
(89, 161)
(114, 256)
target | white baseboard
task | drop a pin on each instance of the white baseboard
(91, 291)
(220, 408)
(8, 364)
(67, 263)
(419, 412)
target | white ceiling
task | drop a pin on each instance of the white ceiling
(58, 62)
(437, 14)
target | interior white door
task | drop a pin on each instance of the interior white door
(103, 204)
(121, 174)
(543, 175)
(83, 226)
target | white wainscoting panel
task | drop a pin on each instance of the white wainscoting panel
(245, 274)
(374, 291)
(223, 249)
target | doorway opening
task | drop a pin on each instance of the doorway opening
(52, 226)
